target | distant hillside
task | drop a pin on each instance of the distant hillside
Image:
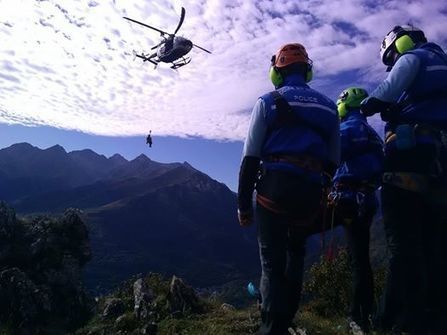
(143, 215)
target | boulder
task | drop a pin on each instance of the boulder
(181, 297)
(143, 297)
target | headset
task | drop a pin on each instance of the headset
(404, 43)
(277, 78)
(350, 98)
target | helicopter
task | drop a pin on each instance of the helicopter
(171, 49)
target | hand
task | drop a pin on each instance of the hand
(245, 217)
(367, 107)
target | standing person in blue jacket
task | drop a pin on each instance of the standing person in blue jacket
(413, 102)
(294, 132)
(353, 195)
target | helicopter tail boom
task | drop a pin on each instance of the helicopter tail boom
(146, 58)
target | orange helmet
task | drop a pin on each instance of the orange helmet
(289, 54)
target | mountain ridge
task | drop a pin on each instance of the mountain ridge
(143, 216)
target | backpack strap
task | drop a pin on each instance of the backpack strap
(286, 117)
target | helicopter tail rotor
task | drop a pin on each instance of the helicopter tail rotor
(182, 17)
(134, 54)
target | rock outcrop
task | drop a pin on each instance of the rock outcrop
(145, 305)
(40, 272)
(143, 298)
(182, 297)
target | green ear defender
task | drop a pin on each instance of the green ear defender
(277, 79)
(342, 110)
(404, 43)
(350, 99)
(275, 76)
(309, 74)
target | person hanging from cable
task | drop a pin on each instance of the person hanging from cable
(149, 139)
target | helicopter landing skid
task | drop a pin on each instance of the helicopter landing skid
(181, 63)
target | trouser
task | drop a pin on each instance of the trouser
(411, 297)
(357, 237)
(281, 239)
(282, 250)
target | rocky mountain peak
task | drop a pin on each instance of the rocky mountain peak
(117, 158)
(142, 158)
(56, 149)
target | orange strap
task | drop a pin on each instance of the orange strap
(275, 208)
(269, 204)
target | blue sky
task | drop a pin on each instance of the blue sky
(218, 159)
(67, 74)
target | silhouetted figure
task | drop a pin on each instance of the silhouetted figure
(294, 131)
(149, 139)
(354, 198)
(413, 103)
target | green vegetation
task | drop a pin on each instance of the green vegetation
(329, 285)
(326, 297)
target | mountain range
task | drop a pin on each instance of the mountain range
(143, 216)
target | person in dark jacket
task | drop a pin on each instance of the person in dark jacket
(149, 139)
(354, 199)
(413, 102)
(294, 133)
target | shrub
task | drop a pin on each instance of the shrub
(328, 285)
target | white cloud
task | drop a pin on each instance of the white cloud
(68, 64)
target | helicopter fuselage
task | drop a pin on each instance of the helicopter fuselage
(173, 48)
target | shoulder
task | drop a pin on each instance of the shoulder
(410, 57)
(406, 63)
(324, 99)
(307, 95)
(266, 99)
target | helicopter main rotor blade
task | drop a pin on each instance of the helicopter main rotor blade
(182, 17)
(201, 48)
(146, 25)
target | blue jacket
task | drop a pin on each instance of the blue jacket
(425, 100)
(361, 151)
(313, 108)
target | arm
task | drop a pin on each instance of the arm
(257, 131)
(391, 89)
(250, 162)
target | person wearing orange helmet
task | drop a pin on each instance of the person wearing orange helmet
(293, 140)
